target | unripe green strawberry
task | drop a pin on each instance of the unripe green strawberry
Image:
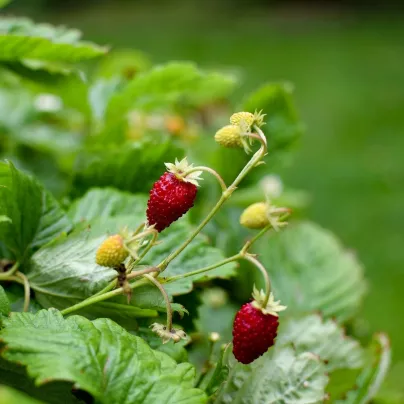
(111, 252)
(229, 136)
(255, 216)
(246, 119)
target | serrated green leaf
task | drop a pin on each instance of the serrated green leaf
(280, 376)
(64, 272)
(21, 39)
(4, 303)
(36, 217)
(99, 357)
(282, 127)
(311, 271)
(323, 338)
(373, 374)
(9, 395)
(130, 167)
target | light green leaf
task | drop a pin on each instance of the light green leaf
(4, 3)
(311, 271)
(99, 357)
(64, 272)
(21, 39)
(323, 338)
(36, 217)
(4, 218)
(283, 126)
(130, 167)
(164, 86)
(373, 374)
(11, 396)
(4, 303)
(280, 376)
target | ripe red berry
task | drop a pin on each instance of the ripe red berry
(253, 333)
(170, 198)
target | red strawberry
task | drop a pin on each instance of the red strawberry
(172, 195)
(255, 328)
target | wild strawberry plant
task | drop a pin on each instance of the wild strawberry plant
(147, 256)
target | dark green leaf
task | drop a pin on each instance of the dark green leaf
(36, 217)
(4, 303)
(311, 271)
(99, 357)
(130, 167)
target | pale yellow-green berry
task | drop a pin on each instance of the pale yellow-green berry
(229, 136)
(247, 117)
(255, 216)
(111, 252)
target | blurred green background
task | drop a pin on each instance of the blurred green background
(347, 67)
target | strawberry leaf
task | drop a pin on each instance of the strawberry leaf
(35, 216)
(323, 338)
(21, 39)
(131, 167)
(311, 271)
(279, 376)
(4, 303)
(10, 396)
(99, 357)
(373, 374)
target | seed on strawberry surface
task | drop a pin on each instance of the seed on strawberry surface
(111, 252)
(172, 195)
(255, 328)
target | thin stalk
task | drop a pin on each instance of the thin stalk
(96, 299)
(166, 299)
(5, 275)
(21, 278)
(225, 195)
(202, 270)
(147, 249)
(107, 288)
(210, 171)
(249, 243)
(141, 272)
(265, 275)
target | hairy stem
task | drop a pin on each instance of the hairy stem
(265, 275)
(23, 280)
(225, 195)
(210, 171)
(5, 275)
(166, 299)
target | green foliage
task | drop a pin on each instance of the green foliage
(99, 357)
(283, 376)
(35, 216)
(10, 396)
(4, 303)
(22, 39)
(311, 271)
(325, 339)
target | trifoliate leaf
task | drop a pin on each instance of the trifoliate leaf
(280, 376)
(311, 271)
(323, 338)
(36, 217)
(373, 374)
(99, 357)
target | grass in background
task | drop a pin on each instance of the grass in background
(349, 87)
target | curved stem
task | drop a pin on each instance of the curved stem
(249, 243)
(95, 299)
(147, 249)
(141, 272)
(210, 171)
(202, 270)
(107, 288)
(225, 195)
(21, 278)
(5, 275)
(264, 273)
(166, 299)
